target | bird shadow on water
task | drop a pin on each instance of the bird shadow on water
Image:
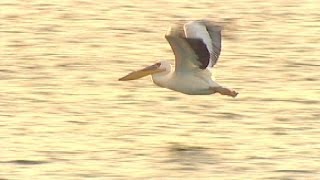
(25, 162)
(188, 157)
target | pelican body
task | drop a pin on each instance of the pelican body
(196, 46)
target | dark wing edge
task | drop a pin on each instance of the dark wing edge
(214, 31)
(185, 56)
(201, 50)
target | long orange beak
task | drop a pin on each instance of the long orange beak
(142, 72)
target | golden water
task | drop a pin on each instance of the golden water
(63, 114)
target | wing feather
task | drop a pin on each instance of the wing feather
(201, 50)
(196, 44)
(185, 57)
(216, 38)
(209, 33)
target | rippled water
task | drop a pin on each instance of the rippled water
(63, 114)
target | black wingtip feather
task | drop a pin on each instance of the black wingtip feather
(201, 51)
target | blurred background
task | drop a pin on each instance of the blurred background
(63, 114)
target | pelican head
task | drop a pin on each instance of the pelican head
(159, 68)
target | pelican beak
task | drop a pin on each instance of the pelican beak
(142, 72)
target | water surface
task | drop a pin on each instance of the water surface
(63, 114)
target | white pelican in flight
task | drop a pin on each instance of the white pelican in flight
(196, 46)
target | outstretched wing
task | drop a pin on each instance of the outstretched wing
(209, 33)
(190, 53)
(185, 57)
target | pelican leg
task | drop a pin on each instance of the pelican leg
(225, 91)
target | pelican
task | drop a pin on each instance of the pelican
(196, 46)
